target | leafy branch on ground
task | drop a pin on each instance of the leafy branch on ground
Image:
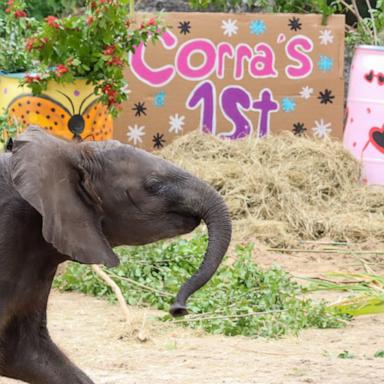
(366, 291)
(241, 299)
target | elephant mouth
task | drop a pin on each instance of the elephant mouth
(187, 222)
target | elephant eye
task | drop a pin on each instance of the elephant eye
(154, 186)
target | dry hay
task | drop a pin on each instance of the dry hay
(284, 189)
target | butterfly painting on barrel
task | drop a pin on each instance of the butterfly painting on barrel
(89, 122)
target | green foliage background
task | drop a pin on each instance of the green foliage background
(44, 8)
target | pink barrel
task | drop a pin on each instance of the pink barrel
(364, 129)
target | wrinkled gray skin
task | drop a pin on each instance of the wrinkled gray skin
(65, 201)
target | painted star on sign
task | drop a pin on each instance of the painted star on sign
(325, 63)
(135, 134)
(294, 24)
(140, 109)
(229, 26)
(298, 129)
(288, 104)
(326, 96)
(326, 37)
(321, 129)
(306, 92)
(158, 141)
(176, 123)
(257, 27)
(185, 27)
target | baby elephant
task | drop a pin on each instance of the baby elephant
(75, 201)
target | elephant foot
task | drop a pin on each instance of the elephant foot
(27, 353)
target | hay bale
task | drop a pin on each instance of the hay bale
(284, 189)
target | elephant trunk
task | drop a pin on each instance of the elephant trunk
(213, 211)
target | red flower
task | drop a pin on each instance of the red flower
(111, 93)
(108, 90)
(151, 22)
(52, 21)
(10, 2)
(30, 44)
(109, 50)
(19, 13)
(115, 61)
(8, 10)
(61, 69)
(90, 20)
(32, 78)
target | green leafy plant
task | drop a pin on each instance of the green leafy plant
(43, 8)
(346, 355)
(8, 128)
(15, 28)
(282, 6)
(379, 354)
(92, 46)
(241, 299)
(369, 29)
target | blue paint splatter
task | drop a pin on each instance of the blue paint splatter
(257, 27)
(325, 64)
(159, 99)
(288, 104)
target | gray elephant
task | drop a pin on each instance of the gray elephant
(75, 201)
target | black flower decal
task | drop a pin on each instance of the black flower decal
(298, 129)
(158, 141)
(326, 97)
(294, 24)
(185, 27)
(140, 109)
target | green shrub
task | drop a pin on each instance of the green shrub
(43, 8)
(241, 299)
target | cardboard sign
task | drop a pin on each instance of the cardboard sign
(235, 75)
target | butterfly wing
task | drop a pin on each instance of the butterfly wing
(42, 111)
(98, 122)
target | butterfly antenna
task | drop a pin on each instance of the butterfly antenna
(82, 103)
(91, 135)
(71, 102)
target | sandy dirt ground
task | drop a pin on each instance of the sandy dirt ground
(92, 333)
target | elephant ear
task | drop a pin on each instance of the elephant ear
(47, 172)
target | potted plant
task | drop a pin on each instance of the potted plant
(15, 28)
(76, 83)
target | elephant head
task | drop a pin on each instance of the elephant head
(93, 196)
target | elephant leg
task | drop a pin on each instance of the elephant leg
(27, 353)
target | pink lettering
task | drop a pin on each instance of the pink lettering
(243, 52)
(263, 64)
(185, 53)
(151, 76)
(223, 50)
(297, 49)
